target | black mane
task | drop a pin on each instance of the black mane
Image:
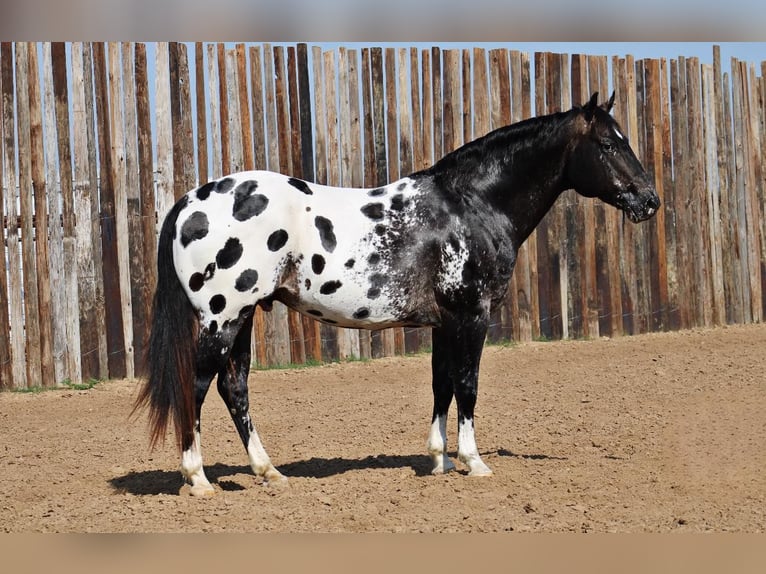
(496, 147)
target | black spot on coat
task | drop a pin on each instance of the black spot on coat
(230, 254)
(317, 263)
(314, 312)
(196, 281)
(248, 204)
(195, 227)
(300, 185)
(373, 259)
(246, 280)
(377, 192)
(203, 192)
(373, 210)
(349, 264)
(277, 240)
(361, 313)
(225, 185)
(326, 233)
(217, 304)
(397, 202)
(330, 287)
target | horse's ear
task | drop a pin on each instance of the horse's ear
(591, 106)
(610, 104)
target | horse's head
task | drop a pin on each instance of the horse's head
(602, 163)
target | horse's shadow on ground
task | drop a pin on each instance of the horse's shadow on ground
(154, 482)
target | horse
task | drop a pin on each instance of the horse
(434, 249)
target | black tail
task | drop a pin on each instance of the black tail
(169, 388)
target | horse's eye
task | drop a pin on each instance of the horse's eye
(608, 145)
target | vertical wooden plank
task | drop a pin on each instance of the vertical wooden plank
(244, 128)
(418, 152)
(368, 137)
(111, 268)
(436, 102)
(657, 261)
(16, 314)
(296, 158)
(164, 167)
(713, 194)
(256, 92)
(669, 207)
(699, 203)
(304, 102)
(449, 137)
(140, 303)
(92, 338)
(55, 231)
(117, 151)
(320, 125)
(467, 115)
(481, 125)
(753, 216)
(642, 235)
(72, 281)
(234, 144)
(405, 113)
(215, 116)
(199, 96)
(428, 131)
(6, 350)
(223, 103)
(40, 191)
(378, 115)
(147, 211)
(26, 202)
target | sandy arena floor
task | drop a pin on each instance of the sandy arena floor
(656, 433)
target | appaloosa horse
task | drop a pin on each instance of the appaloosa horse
(435, 249)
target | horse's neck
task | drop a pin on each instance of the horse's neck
(527, 182)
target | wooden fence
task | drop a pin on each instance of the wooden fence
(91, 163)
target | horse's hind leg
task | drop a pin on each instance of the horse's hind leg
(232, 386)
(212, 352)
(191, 457)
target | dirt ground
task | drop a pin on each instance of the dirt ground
(655, 433)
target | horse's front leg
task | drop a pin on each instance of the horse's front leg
(457, 348)
(442, 389)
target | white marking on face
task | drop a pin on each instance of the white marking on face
(618, 133)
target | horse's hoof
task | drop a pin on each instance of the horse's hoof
(444, 468)
(275, 480)
(482, 470)
(198, 490)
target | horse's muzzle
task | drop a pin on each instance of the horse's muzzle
(640, 205)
